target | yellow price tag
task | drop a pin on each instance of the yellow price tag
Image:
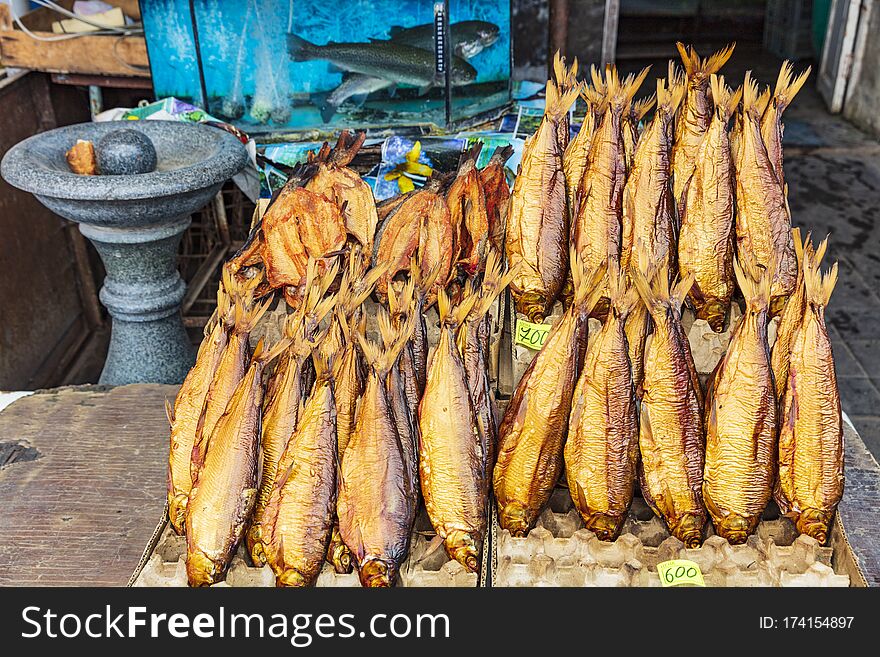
(680, 572)
(531, 335)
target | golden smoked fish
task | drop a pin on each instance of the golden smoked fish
(494, 182)
(336, 182)
(473, 344)
(538, 226)
(402, 306)
(577, 153)
(603, 429)
(470, 219)
(671, 421)
(598, 224)
(763, 223)
(535, 423)
(452, 461)
(637, 111)
(811, 477)
(741, 420)
(302, 504)
(696, 114)
(404, 414)
(566, 79)
(705, 245)
(223, 495)
(287, 392)
(184, 417)
(377, 487)
(230, 368)
(648, 208)
(787, 87)
(793, 313)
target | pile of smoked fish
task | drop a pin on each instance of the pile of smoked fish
(322, 446)
(626, 222)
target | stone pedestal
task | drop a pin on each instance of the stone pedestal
(142, 292)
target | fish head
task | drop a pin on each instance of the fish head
(291, 578)
(606, 527)
(465, 549)
(257, 549)
(177, 511)
(462, 73)
(735, 528)
(814, 523)
(340, 557)
(515, 519)
(377, 573)
(689, 530)
(201, 570)
(482, 36)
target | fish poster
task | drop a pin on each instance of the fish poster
(273, 65)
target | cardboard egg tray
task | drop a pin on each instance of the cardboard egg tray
(165, 565)
(561, 552)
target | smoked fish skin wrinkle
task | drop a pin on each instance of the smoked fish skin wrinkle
(811, 471)
(603, 434)
(452, 463)
(696, 114)
(741, 420)
(671, 438)
(535, 423)
(187, 410)
(763, 222)
(301, 507)
(377, 496)
(705, 246)
(537, 220)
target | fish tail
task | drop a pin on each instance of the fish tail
(250, 315)
(501, 154)
(643, 106)
(624, 297)
(424, 281)
(494, 282)
(724, 98)
(819, 286)
(788, 86)
(751, 98)
(754, 282)
(323, 358)
(715, 61)
(402, 303)
(588, 286)
(347, 146)
(472, 154)
(383, 359)
(566, 77)
(559, 102)
(622, 92)
(693, 65)
(299, 49)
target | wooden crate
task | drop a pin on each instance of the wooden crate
(106, 55)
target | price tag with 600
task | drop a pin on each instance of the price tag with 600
(680, 572)
(531, 335)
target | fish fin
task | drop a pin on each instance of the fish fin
(787, 87)
(169, 412)
(682, 287)
(471, 154)
(326, 108)
(400, 303)
(347, 147)
(694, 65)
(494, 282)
(433, 545)
(819, 286)
(557, 102)
(394, 31)
(425, 88)
(622, 93)
(642, 107)
(299, 49)
(323, 359)
(501, 154)
(752, 101)
(588, 286)
(724, 99)
(754, 282)
(819, 252)
(624, 296)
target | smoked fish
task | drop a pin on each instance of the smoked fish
(188, 405)
(538, 226)
(741, 420)
(336, 182)
(224, 493)
(637, 111)
(696, 114)
(452, 461)
(671, 421)
(494, 182)
(566, 80)
(470, 219)
(811, 474)
(793, 314)
(598, 224)
(535, 423)
(603, 429)
(705, 246)
(786, 89)
(377, 496)
(763, 222)
(302, 504)
(649, 208)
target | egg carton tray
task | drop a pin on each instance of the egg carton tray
(165, 565)
(560, 551)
